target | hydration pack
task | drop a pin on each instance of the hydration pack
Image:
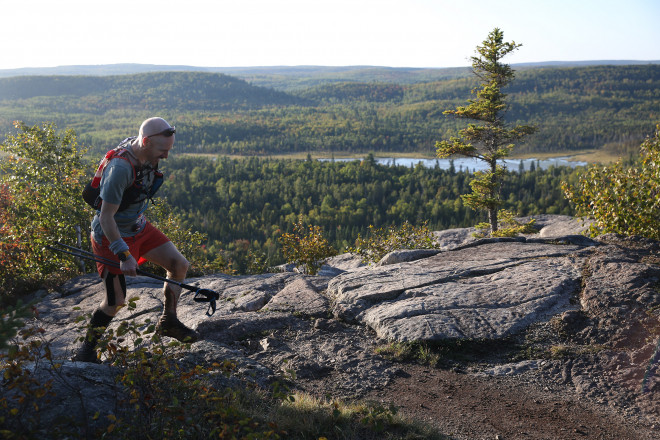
(133, 194)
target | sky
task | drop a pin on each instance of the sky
(395, 33)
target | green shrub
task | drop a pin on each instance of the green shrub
(41, 182)
(623, 200)
(23, 394)
(508, 226)
(11, 320)
(384, 240)
(158, 396)
(306, 247)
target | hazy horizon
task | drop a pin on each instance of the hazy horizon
(256, 33)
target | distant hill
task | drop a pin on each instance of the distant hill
(339, 109)
(131, 68)
(172, 90)
(297, 77)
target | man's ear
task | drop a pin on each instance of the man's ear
(144, 140)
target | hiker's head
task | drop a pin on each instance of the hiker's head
(156, 139)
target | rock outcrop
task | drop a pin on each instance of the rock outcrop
(598, 300)
(489, 290)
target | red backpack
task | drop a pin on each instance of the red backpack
(133, 194)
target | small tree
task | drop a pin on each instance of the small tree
(490, 139)
(619, 199)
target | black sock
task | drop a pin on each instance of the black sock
(97, 325)
(100, 319)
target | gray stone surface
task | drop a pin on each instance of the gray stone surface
(484, 291)
(547, 225)
(300, 296)
(402, 256)
(477, 307)
(600, 296)
(560, 225)
(452, 238)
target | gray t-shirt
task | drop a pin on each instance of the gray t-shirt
(117, 177)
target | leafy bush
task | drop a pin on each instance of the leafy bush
(162, 398)
(11, 320)
(508, 226)
(157, 396)
(41, 181)
(306, 247)
(384, 240)
(623, 200)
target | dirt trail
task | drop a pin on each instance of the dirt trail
(466, 406)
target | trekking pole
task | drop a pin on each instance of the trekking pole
(201, 295)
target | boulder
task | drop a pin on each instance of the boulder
(401, 256)
(300, 296)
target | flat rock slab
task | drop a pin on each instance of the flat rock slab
(240, 298)
(484, 307)
(489, 290)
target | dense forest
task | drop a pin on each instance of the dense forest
(575, 108)
(247, 204)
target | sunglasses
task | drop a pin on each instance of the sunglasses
(167, 132)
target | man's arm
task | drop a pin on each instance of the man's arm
(111, 231)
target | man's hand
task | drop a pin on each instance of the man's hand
(129, 266)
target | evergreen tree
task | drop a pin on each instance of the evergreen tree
(490, 139)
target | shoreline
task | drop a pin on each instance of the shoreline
(589, 156)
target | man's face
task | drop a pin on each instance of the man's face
(158, 147)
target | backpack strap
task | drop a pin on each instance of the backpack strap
(117, 152)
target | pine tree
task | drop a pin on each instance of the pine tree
(490, 138)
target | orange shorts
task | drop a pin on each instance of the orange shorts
(149, 238)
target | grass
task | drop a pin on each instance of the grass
(308, 417)
(589, 156)
(400, 351)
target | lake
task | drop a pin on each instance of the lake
(472, 165)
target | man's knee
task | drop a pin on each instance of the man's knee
(178, 267)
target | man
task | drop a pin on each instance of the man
(120, 232)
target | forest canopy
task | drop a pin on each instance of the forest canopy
(245, 205)
(575, 108)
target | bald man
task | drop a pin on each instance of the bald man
(129, 178)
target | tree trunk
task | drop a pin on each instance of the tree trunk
(492, 210)
(492, 218)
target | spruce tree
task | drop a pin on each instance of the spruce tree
(488, 139)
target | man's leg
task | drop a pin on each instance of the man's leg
(168, 257)
(115, 296)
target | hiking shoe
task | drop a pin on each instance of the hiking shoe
(169, 325)
(87, 353)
